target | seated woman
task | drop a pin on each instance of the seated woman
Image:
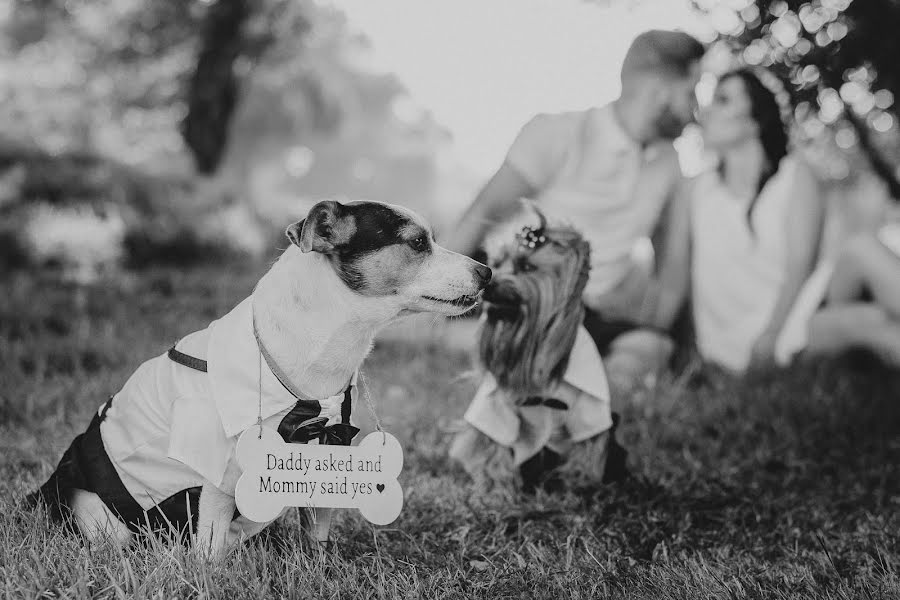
(755, 226)
(862, 302)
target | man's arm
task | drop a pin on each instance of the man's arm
(674, 256)
(496, 202)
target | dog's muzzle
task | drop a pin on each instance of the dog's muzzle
(502, 299)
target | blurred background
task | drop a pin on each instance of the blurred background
(152, 153)
(159, 132)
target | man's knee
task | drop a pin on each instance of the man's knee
(637, 358)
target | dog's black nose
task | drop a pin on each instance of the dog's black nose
(502, 291)
(483, 273)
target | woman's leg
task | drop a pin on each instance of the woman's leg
(867, 265)
(836, 329)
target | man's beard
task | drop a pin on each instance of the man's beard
(668, 124)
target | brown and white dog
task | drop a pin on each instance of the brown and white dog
(161, 451)
(544, 398)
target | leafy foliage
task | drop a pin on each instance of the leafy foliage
(839, 58)
(98, 76)
(115, 77)
(114, 86)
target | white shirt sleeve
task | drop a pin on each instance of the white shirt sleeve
(539, 149)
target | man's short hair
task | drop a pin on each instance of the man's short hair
(670, 53)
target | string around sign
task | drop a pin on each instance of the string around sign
(371, 407)
(366, 397)
(259, 388)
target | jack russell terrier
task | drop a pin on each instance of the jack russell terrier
(160, 453)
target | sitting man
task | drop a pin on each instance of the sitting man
(612, 172)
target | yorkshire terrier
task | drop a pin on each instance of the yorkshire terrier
(543, 405)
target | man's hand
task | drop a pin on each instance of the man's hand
(674, 257)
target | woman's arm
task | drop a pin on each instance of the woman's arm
(803, 231)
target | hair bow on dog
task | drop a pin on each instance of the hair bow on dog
(531, 238)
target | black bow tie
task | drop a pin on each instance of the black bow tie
(303, 424)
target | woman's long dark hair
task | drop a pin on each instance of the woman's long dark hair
(773, 135)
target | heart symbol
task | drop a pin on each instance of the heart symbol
(380, 487)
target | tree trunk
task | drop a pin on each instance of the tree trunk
(213, 88)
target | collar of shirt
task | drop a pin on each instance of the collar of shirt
(604, 125)
(243, 386)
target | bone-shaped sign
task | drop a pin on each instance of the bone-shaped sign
(277, 474)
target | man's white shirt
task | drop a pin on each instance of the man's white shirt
(589, 173)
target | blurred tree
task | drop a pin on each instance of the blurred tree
(118, 77)
(213, 89)
(104, 104)
(841, 59)
(97, 76)
(234, 36)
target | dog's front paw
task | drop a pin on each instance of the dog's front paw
(210, 546)
(327, 547)
(209, 553)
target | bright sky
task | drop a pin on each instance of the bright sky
(484, 67)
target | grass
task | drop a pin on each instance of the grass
(786, 486)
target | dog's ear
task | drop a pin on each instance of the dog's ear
(323, 229)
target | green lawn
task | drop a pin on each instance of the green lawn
(788, 486)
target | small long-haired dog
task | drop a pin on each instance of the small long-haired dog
(544, 399)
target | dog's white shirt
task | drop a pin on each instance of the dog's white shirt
(350, 270)
(528, 429)
(172, 427)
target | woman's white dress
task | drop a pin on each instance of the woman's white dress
(737, 274)
(737, 270)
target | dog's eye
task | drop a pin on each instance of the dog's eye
(419, 244)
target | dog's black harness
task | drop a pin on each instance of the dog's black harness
(303, 423)
(198, 364)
